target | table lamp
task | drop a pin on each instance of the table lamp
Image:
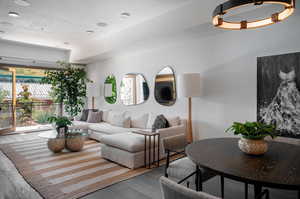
(189, 87)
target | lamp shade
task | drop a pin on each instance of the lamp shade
(93, 90)
(189, 85)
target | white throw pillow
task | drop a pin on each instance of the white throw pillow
(105, 114)
(127, 122)
(173, 121)
(112, 114)
(151, 120)
(120, 120)
(140, 122)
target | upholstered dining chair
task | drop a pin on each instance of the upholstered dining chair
(183, 169)
(173, 190)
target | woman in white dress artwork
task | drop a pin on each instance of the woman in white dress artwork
(284, 110)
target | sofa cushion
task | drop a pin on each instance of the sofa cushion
(151, 120)
(107, 128)
(140, 122)
(120, 120)
(85, 114)
(113, 114)
(94, 117)
(173, 121)
(105, 114)
(80, 125)
(126, 141)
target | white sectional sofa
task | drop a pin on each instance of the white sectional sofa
(122, 146)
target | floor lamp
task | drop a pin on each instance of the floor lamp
(93, 89)
(189, 87)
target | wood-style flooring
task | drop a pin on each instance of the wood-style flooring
(13, 186)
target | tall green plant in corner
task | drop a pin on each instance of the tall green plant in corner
(68, 86)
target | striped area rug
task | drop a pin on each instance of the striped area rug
(66, 174)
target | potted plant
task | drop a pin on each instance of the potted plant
(253, 133)
(68, 87)
(61, 124)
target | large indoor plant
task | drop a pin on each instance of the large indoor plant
(68, 86)
(253, 134)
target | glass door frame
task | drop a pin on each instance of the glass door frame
(13, 105)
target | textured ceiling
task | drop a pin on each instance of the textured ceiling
(54, 22)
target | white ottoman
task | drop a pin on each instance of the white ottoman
(126, 149)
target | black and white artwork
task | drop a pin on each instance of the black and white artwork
(278, 94)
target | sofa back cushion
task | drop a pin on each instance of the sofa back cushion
(151, 119)
(140, 122)
(173, 121)
(105, 114)
(120, 120)
(94, 117)
(85, 114)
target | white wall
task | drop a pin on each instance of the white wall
(24, 54)
(225, 59)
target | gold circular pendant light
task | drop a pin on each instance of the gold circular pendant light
(222, 9)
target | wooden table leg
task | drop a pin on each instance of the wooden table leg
(257, 190)
(299, 194)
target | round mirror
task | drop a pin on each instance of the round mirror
(110, 89)
(134, 89)
(165, 87)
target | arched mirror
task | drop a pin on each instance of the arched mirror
(110, 89)
(134, 89)
(165, 87)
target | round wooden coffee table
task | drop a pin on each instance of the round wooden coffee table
(278, 168)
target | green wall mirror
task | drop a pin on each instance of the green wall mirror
(110, 89)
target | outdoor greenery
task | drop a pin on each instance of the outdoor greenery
(253, 130)
(24, 102)
(68, 86)
(3, 94)
(41, 116)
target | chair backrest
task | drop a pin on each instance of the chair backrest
(172, 190)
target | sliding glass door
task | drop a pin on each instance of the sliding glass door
(7, 100)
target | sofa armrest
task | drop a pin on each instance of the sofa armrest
(172, 131)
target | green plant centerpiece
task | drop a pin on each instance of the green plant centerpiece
(61, 124)
(68, 86)
(252, 136)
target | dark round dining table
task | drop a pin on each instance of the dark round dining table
(278, 168)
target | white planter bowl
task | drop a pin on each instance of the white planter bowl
(253, 147)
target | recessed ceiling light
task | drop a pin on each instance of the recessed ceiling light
(102, 24)
(5, 23)
(125, 15)
(22, 3)
(13, 14)
(90, 31)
